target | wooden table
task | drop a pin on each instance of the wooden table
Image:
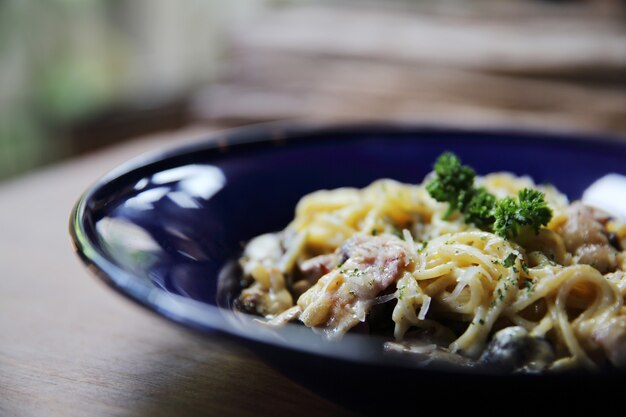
(69, 346)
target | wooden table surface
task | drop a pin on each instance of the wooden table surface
(70, 346)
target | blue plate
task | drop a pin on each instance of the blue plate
(164, 229)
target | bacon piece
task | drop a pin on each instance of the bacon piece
(343, 297)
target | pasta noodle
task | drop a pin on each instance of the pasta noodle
(445, 285)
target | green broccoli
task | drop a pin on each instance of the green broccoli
(454, 184)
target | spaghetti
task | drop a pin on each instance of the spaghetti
(386, 257)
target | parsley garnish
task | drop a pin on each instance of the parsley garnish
(530, 285)
(524, 267)
(454, 184)
(530, 210)
(509, 261)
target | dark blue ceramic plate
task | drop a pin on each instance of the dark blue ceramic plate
(163, 229)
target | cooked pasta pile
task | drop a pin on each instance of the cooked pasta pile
(383, 259)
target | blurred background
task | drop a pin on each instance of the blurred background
(78, 75)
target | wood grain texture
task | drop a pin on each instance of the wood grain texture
(69, 346)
